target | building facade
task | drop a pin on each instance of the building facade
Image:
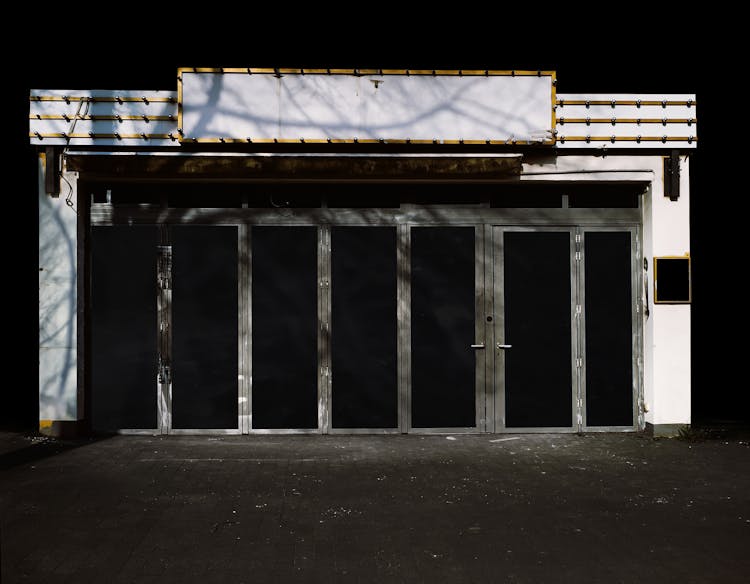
(372, 251)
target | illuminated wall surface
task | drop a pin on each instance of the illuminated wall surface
(57, 308)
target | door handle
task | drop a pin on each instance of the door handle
(501, 346)
(478, 346)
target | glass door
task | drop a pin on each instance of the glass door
(284, 325)
(534, 288)
(203, 366)
(447, 354)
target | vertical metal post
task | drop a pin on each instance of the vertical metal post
(324, 329)
(578, 327)
(243, 357)
(498, 294)
(403, 303)
(488, 323)
(480, 356)
(637, 315)
(164, 341)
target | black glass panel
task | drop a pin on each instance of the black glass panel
(204, 327)
(526, 195)
(284, 325)
(612, 196)
(434, 194)
(364, 329)
(538, 381)
(609, 326)
(442, 321)
(123, 327)
(672, 280)
(362, 197)
(269, 196)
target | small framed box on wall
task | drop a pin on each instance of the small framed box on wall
(672, 280)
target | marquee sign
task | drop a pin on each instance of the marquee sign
(367, 105)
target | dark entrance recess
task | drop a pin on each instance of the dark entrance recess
(537, 302)
(609, 339)
(364, 327)
(284, 322)
(123, 327)
(204, 330)
(442, 320)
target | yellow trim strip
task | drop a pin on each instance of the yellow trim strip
(564, 102)
(553, 101)
(561, 121)
(627, 138)
(96, 118)
(352, 141)
(95, 136)
(296, 71)
(145, 99)
(179, 105)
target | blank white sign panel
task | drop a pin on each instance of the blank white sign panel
(265, 106)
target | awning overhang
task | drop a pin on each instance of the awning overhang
(296, 167)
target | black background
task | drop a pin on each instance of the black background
(606, 48)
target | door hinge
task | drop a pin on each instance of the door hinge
(578, 310)
(579, 362)
(578, 256)
(578, 238)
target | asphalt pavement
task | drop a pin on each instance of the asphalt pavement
(439, 509)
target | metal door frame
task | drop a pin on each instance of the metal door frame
(480, 355)
(326, 413)
(484, 219)
(323, 300)
(636, 330)
(164, 331)
(498, 311)
(167, 415)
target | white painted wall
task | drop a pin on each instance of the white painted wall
(667, 349)
(57, 304)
